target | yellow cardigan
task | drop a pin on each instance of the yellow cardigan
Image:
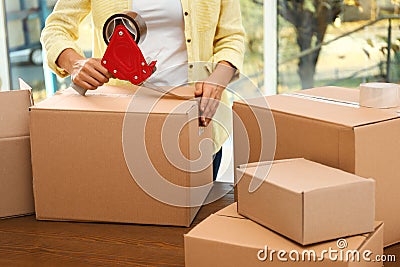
(213, 30)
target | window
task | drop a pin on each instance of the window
(337, 42)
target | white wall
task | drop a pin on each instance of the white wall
(4, 64)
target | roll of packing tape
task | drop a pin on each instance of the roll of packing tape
(131, 20)
(379, 95)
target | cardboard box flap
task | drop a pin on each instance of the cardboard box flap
(301, 175)
(334, 93)
(237, 231)
(378, 225)
(244, 232)
(230, 211)
(14, 113)
(186, 92)
(322, 110)
(116, 99)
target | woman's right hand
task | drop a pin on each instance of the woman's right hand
(87, 73)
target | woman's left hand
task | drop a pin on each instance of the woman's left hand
(211, 90)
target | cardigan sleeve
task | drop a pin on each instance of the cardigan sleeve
(229, 36)
(62, 30)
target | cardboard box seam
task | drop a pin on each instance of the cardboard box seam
(338, 186)
(33, 108)
(268, 162)
(303, 191)
(54, 219)
(309, 118)
(188, 235)
(255, 218)
(369, 236)
(10, 138)
(303, 220)
(17, 216)
(375, 122)
(230, 216)
(314, 119)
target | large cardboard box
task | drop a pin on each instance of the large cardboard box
(228, 239)
(326, 125)
(118, 155)
(306, 201)
(16, 197)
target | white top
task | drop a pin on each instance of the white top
(165, 40)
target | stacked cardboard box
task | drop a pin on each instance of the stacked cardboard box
(16, 196)
(306, 201)
(119, 155)
(326, 125)
(227, 239)
(295, 199)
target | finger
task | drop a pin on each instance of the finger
(109, 75)
(87, 78)
(100, 68)
(94, 69)
(99, 76)
(199, 88)
(96, 63)
(217, 98)
(84, 85)
(88, 86)
(207, 91)
(211, 109)
(213, 103)
(214, 94)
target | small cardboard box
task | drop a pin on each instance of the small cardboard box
(326, 125)
(119, 155)
(226, 239)
(306, 201)
(16, 197)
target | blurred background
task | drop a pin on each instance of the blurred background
(337, 42)
(318, 42)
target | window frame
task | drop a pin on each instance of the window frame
(5, 68)
(270, 47)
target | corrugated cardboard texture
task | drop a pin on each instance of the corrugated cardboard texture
(14, 113)
(113, 99)
(226, 239)
(79, 160)
(254, 135)
(306, 201)
(16, 197)
(339, 136)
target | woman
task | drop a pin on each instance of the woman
(199, 41)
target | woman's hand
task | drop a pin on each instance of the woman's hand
(87, 73)
(211, 90)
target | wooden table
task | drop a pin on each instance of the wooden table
(26, 242)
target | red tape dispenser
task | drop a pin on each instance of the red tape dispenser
(123, 57)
